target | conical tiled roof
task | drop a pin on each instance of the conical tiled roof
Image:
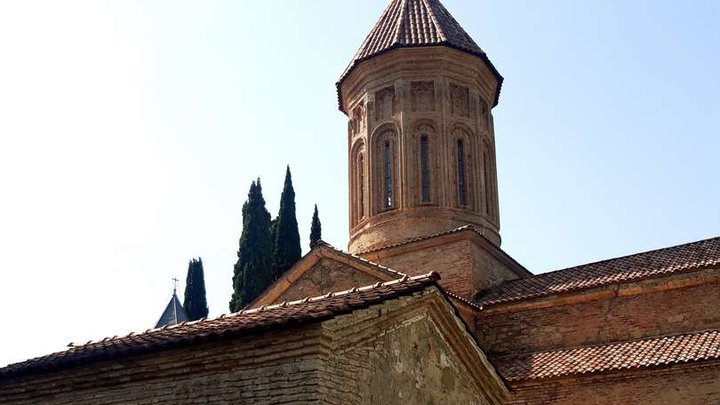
(174, 313)
(416, 23)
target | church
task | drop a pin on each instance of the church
(424, 307)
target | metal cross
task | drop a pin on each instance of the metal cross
(175, 281)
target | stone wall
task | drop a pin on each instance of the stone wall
(687, 384)
(403, 361)
(605, 318)
(324, 277)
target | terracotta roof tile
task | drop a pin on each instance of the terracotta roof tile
(660, 351)
(677, 259)
(414, 23)
(287, 314)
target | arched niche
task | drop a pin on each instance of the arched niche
(423, 165)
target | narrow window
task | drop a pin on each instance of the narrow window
(488, 185)
(462, 186)
(388, 200)
(424, 170)
(361, 187)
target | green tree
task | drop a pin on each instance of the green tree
(253, 272)
(315, 229)
(286, 246)
(195, 302)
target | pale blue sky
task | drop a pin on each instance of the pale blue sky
(130, 132)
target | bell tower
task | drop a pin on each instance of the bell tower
(421, 145)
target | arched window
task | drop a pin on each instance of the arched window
(487, 179)
(387, 175)
(424, 169)
(358, 183)
(461, 174)
(486, 169)
(383, 188)
(361, 187)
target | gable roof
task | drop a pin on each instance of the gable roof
(656, 263)
(416, 23)
(653, 352)
(174, 313)
(322, 250)
(287, 314)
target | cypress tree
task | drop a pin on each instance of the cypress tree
(315, 229)
(253, 272)
(286, 247)
(195, 302)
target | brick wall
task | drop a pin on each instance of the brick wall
(688, 385)
(398, 352)
(464, 266)
(260, 369)
(606, 319)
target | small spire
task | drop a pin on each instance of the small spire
(174, 312)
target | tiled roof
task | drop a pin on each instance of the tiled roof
(320, 247)
(415, 23)
(677, 259)
(287, 314)
(661, 351)
(449, 232)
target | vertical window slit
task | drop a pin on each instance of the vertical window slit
(361, 186)
(462, 186)
(424, 169)
(388, 200)
(488, 185)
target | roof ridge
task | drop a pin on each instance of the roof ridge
(655, 250)
(400, 22)
(417, 239)
(293, 314)
(363, 260)
(467, 227)
(416, 23)
(692, 256)
(443, 37)
(432, 276)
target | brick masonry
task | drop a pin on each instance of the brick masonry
(406, 350)
(604, 318)
(465, 265)
(685, 384)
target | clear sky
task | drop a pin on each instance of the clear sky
(130, 131)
